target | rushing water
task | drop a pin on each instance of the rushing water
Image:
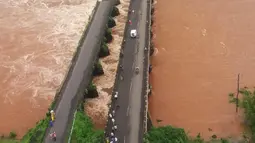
(37, 41)
(97, 108)
(202, 45)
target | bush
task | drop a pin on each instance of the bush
(108, 35)
(83, 131)
(115, 12)
(166, 134)
(12, 135)
(111, 22)
(104, 50)
(92, 91)
(169, 134)
(247, 103)
(98, 69)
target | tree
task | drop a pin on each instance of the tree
(108, 35)
(115, 11)
(166, 134)
(104, 50)
(111, 22)
(98, 69)
(91, 91)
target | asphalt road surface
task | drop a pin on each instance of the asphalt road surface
(82, 70)
(127, 114)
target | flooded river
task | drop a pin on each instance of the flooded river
(202, 45)
(37, 41)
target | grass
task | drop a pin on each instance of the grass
(83, 130)
(36, 134)
(9, 141)
(169, 134)
(247, 103)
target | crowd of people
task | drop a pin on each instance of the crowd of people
(53, 135)
(111, 138)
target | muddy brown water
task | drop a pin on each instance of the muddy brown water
(201, 46)
(37, 42)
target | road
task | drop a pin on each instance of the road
(127, 116)
(81, 74)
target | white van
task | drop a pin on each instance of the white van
(133, 33)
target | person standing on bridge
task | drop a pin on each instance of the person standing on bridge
(53, 136)
(52, 113)
(130, 22)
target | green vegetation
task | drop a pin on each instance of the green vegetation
(108, 35)
(83, 131)
(12, 135)
(3, 140)
(169, 134)
(111, 23)
(115, 12)
(37, 133)
(247, 103)
(104, 50)
(98, 69)
(91, 91)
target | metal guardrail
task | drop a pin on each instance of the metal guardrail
(146, 65)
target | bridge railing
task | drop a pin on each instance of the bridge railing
(147, 65)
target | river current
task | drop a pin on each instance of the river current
(37, 41)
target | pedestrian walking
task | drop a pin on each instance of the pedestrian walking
(113, 113)
(113, 121)
(114, 127)
(51, 123)
(117, 107)
(53, 136)
(116, 95)
(130, 22)
(112, 134)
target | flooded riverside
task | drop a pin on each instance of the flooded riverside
(201, 47)
(97, 108)
(37, 41)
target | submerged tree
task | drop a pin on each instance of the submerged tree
(108, 35)
(115, 11)
(111, 22)
(104, 50)
(98, 69)
(91, 91)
